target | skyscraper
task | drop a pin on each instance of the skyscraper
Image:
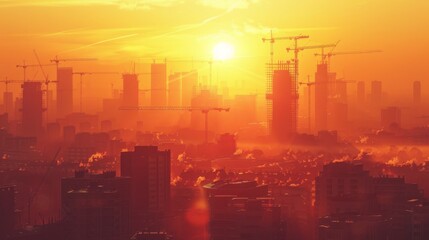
(158, 86)
(32, 109)
(131, 90)
(284, 106)
(376, 92)
(417, 92)
(64, 91)
(174, 89)
(360, 92)
(149, 169)
(96, 206)
(321, 97)
(189, 86)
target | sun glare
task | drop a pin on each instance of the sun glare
(223, 51)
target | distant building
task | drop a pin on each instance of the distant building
(417, 92)
(189, 86)
(158, 80)
(234, 218)
(7, 210)
(321, 97)
(64, 91)
(96, 206)
(390, 116)
(361, 95)
(174, 89)
(284, 98)
(8, 104)
(376, 92)
(32, 109)
(343, 187)
(149, 169)
(236, 188)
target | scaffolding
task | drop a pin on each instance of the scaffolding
(270, 68)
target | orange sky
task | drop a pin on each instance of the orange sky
(120, 32)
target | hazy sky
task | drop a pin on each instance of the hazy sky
(120, 32)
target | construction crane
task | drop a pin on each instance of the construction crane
(204, 110)
(8, 81)
(297, 49)
(46, 82)
(57, 60)
(327, 57)
(81, 74)
(272, 40)
(309, 84)
(24, 67)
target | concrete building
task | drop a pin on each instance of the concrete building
(189, 86)
(376, 92)
(96, 206)
(32, 109)
(360, 93)
(7, 210)
(390, 116)
(234, 218)
(174, 89)
(321, 97)
(149, 169)
(284, 98)
(64, 91)
(343, 187)
(417, 92)
(158, 80)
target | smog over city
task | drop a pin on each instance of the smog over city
(214, 120)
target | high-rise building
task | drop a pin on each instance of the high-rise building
(189, 87)
(417, 92)
(32, 109)
(158, 79)
(7, 210)
(321, 97)
(389, 116)
(130, 97)
(96, 206)
(149, 169)
(284, 98)
(8, 104)
(376, 92)
(174, 89)
(64, 91)
(361, 92)
(343, 187)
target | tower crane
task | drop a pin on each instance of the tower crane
(81, 74)
(309, 84)
(46, 82)
(203, 110)
(327, 57)
(24, 67)
(6, 83)
(273, 39)
(57, 60)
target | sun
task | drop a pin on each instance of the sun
(223, 51)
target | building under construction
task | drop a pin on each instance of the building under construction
(32, 108)
(282, 100)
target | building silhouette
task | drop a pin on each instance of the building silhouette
(7, 210)
(321, 97)
(174, 89)
(361, 95)
(158, 80)
(32, 109)
(284, 108)
(417, 92)
(96, 206)
(189, 86)
(149, 169)
(390, 116)
(376, 92)
(64, 91)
